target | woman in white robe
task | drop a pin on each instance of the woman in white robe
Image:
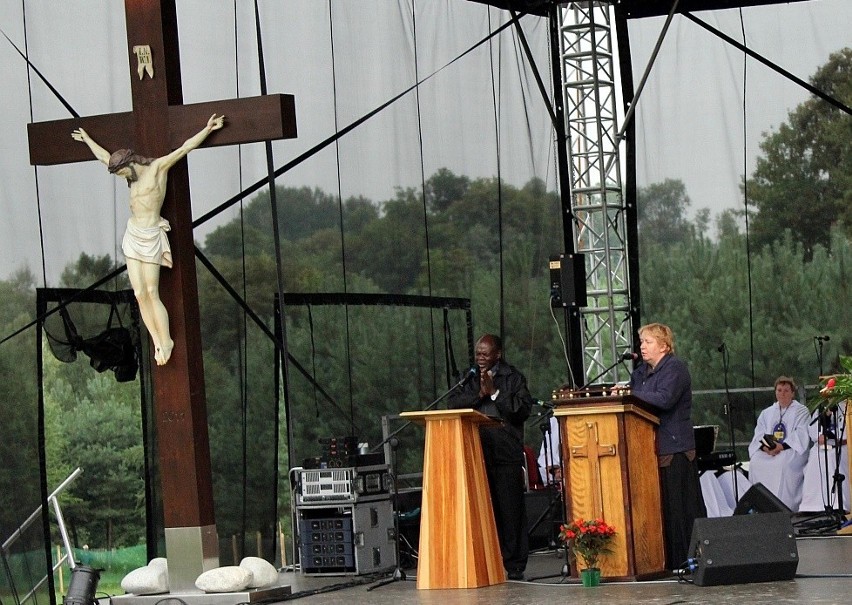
(781, 468)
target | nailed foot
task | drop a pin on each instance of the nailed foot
(163, 353)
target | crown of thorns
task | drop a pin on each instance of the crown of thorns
(123, 157)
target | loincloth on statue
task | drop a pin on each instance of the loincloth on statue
(148, 244)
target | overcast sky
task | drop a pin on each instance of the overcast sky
(690, 121)
(689, 125)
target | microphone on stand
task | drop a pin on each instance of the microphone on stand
(545, 409)
(628, 356)
(721, 348)
(470, 373)
(822, 338)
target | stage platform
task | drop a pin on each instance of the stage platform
(824, 576)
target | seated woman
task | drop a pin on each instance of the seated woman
(779, 461)
(829, 434)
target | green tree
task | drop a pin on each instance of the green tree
(100, 433)
(391, 249)
(89, 269)
(803, 181)
(19, 488)
(661, 210)
(443, 189)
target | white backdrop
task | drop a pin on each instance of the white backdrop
(693, 101)
(82, 53)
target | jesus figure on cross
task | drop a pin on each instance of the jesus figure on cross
(145, 244)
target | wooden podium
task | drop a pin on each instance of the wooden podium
(611, 472)
(458, 537)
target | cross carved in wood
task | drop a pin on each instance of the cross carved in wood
(593, 450)
(158, 124)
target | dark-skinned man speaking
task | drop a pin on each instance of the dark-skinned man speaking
(500, 390)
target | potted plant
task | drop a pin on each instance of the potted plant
(589, 540)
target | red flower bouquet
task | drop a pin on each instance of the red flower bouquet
(588, 539)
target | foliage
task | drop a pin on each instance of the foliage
(661, 213)
(95, 424)
(807, 164)
(18, 394)
(89, 269)
(835, 389)
(588, 539)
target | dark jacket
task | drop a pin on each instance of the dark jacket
(503, 444)
(668, 388)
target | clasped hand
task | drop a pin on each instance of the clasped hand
(486, 384)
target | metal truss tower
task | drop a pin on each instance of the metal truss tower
(597, 198)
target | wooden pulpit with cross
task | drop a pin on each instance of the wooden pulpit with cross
(610, 472)
(158, 124)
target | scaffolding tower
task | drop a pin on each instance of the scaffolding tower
(597, 198)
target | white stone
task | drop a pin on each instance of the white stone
(159, 563)
(263, 571)
(231, 578)
(151, 579)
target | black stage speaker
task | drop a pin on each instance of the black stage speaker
(758, 499)
(568, 280)
(743, 549)
(544, 516)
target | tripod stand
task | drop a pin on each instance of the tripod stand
(831, 431)
(729, 412)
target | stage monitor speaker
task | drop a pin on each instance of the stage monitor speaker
(568, 280)
(544, 516)
(758, 499)
(743, 549)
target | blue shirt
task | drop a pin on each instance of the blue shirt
(668, 388)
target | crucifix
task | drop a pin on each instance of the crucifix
(158, 125)
(593, 450)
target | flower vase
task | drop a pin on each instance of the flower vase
(590, 577)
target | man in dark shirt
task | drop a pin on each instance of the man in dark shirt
(499, 390)
(663, 381)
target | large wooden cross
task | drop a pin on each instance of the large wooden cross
(158, 124)
(593, 450)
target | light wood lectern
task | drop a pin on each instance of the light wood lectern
(608, 445)
(458, 537)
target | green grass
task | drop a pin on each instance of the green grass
(113, 566)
